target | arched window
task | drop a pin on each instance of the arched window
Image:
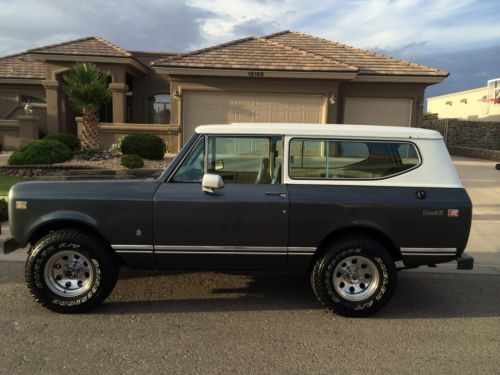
(158, 109)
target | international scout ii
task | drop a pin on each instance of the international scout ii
(348, 204)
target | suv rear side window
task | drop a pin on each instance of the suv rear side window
(339, 159)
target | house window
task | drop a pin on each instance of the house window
(106, 112)
(32, 99)
(158, 109)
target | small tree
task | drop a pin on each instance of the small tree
(87, 89)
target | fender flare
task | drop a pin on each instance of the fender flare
(61, 216)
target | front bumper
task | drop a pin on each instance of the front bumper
(10, 245)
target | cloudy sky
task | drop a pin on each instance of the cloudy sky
(460, 36)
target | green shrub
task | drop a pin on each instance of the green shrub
(69, 140)
(132, 161)
(146, 146)
(4, 211)
(44, 151)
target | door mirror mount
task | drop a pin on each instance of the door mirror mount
(211, 182)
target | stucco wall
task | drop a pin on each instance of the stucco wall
(467, 105)
(10, 106)
(479, 139)
(146, 86)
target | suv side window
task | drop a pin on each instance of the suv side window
(339, 159)
(192, 167)
(246, 160)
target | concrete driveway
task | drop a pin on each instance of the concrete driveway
(482, 182)
(440, 320)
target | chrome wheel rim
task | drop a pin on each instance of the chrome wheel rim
(355, 278)
(69, 273)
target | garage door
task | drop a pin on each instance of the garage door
(378, 111)
(223, 108)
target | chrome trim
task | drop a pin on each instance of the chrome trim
(427, 250)
(202, 252)
(132, 247)
(182, 248)
(134, 251)
(301, 249)
(428, 254)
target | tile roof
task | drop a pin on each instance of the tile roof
(255, 53)
(294, 51)
(369, 63)
(21, 65)
(92, 46)
(24, 65)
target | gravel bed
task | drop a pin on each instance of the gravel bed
(114, 164)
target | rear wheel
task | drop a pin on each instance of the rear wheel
(69, 271)
(355, 277)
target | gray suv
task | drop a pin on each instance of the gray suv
(348, 204)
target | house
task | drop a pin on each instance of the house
(282, 77)
(481, 104)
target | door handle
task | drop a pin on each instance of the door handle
(276, 194)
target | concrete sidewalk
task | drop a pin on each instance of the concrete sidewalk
(482, 182)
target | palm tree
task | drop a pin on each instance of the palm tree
(87, 89)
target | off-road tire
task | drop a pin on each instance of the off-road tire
(361, 250)
(101, 263)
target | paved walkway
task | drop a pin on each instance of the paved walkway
(482, 182)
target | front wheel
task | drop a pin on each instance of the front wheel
(355, 277)
(69, 271)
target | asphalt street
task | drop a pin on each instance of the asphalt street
(259, 323)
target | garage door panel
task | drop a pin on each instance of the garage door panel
(313, 117)
(278, 117)
(219, 108)
(262, 116)
(378, 111)
(296, 117)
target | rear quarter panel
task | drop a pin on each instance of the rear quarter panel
(316, 211)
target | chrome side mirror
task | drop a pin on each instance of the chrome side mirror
(211, 182)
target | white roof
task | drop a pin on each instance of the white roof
(336, 130)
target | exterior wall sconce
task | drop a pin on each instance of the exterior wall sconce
(177, 94)
(332, 99)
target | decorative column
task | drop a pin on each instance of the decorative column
(52, 98)
(28, 129)
(119, 91)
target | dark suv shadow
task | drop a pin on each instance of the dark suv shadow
(418, 295)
